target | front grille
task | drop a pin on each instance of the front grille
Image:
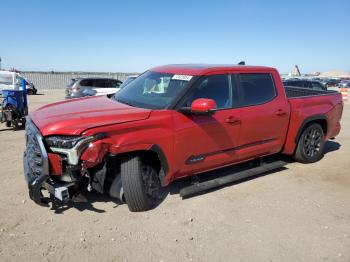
(35, 155)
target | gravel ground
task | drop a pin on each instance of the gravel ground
(299, 214)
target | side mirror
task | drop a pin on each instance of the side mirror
(203, 106)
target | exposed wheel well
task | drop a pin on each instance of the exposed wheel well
(151, 158)
(322, 121)
(147, 156)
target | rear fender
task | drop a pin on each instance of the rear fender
(306, 122)
(294, 134)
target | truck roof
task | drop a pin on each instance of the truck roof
(205, 69)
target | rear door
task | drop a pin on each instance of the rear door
(264, 115)
(207, 141)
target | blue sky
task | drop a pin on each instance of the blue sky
(132, 36)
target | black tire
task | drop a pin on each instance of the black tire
(310, 145)
(23, 122)
(136, 179)
(29, 92)
(15, 125)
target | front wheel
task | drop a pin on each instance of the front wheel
(141, 184)
(310, 145)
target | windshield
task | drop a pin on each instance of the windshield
(153, 90)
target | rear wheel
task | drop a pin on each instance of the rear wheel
(141, 184)
(310, 145)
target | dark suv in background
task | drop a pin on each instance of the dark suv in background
(305, 84)
(80, 87)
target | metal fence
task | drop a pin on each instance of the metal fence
(59, 80)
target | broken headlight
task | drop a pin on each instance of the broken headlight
(72, 146)
(63, 141)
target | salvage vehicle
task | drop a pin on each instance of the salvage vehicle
(172, 122)
(92, 86)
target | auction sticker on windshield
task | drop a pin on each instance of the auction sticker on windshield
(182, 77)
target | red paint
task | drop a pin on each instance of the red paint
(94, 154)
(74, 116)
(203, 105)
(225, 137)
(55, 162)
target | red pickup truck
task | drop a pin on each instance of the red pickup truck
(172, 122)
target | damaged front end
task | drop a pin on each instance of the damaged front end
(63, 166)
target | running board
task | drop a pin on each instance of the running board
(226, 179)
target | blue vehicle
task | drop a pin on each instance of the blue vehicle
(14, 107)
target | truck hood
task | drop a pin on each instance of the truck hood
(74, 116)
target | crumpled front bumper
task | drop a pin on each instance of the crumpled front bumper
(35, 162)
(36, 169)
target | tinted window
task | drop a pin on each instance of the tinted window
(291, 83)
(298, 84)
(256, 89)
(114, 83)
(316, 85)
(214, 87)
(100, 83)
(86, 82)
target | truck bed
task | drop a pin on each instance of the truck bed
(297, 92)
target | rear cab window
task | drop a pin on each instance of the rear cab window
(256, 88)
(316, 85)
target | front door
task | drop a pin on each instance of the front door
(204, 142)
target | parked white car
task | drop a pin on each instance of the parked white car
(92, 86)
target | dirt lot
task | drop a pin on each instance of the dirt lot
(298, 214)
